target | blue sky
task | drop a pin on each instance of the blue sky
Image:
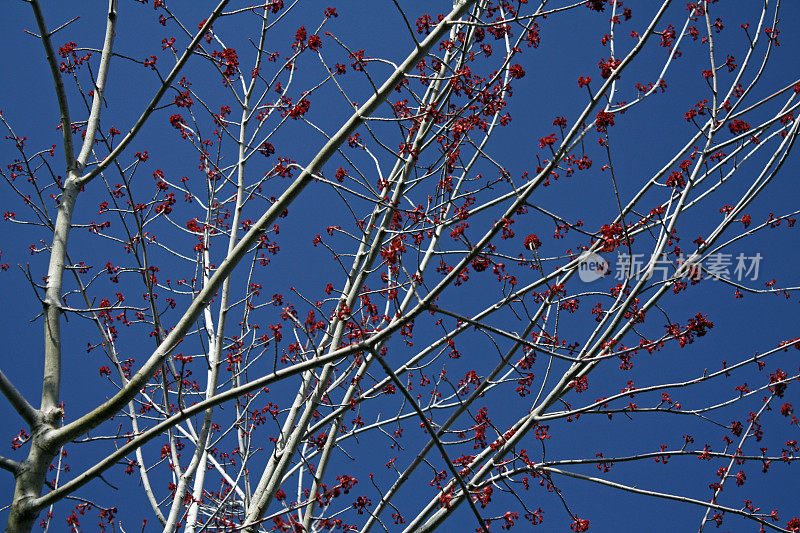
(643, 139)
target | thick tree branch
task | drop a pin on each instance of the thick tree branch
(18, 401)
(100, 85)
(10, 465)
(31, 478)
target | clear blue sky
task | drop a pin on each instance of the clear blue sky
(644, 139)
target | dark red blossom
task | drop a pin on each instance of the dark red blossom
(300, 109)
(737, 126)
(315, 42)
(550, 140)
(675, 179)
(607, 66)
(596, 5)
(579, 525)
(299, 37)
(532, 242)
(516, 71)
(480, 263)
(229, 59)
(266, 149)
(604, 120)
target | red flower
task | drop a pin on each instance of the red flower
(607, 66)
(604, 120)
(579, 525)
(176, 120)
(266, 149)
(532, 242)
(229, 59)
(738, 126)
(300, 109)
(596, 5)
(548, 141)
(675, 179)
(315, 42)
(480, 263)
(299, 37)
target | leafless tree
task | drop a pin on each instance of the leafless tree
(352, 315)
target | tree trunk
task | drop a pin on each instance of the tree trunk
(31, 477)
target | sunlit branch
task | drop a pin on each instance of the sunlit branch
(9, 465)
(18, 401)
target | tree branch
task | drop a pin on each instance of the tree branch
(655, 494)
(10, 465)
(61, 95)
(100, 85)
(429, 428)
(18, 401)
(154, 102)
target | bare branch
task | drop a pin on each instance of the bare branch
(18, 401)
(10, 465)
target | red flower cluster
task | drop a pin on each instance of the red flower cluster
(516, 71)
(737, 126)
(300, 109)
(229, 59)
(550, 140)
(604, 120)
(607, 66)
(596, 5)
(532, 242)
